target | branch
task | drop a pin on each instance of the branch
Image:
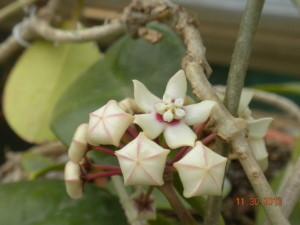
(97, 33)
(241, 54)
(131, 211)
(194, 67)
(170, 193)
(290, 192)
(279, 101)
(11, 46)
(273, 99)
(14, 7)
(38, 26)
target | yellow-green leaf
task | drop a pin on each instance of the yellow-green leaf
(38, 79)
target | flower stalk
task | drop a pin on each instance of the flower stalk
(184, 215)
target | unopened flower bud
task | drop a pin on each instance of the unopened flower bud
(108, 124)
(142, 162)
(74, 184)
(201, 171)
(79, 144)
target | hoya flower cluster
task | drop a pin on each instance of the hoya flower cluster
(141, 133)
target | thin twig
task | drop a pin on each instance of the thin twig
(38, 26)
(281, 102)
(170, 193)
(290, 191)
(241, 54)
(101, 33)
(13, 8)
(11, 46)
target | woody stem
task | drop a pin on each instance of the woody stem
(170, 193)
(91, 177)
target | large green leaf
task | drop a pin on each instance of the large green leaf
(38, 79)
(111, 78)
(46, 203)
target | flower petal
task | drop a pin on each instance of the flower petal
(143, 97)
(178, 135)
(259, 151)
(198, 113)
(246, 97)
(258, 128)
(176, 87)
(149, 124)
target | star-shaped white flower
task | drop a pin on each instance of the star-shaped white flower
(169, 115)
(79, 144)
(201, 171)
(108, 124)
(142, 162)
(73, 181)
(257, 130)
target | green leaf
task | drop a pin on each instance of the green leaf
(163, 220)
(36, 82)
(111, 78)
(35, 164)
(45, 202)
(285, 88)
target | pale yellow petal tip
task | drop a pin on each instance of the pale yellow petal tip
(79, 144)
(73, 182)
(187, 194)
(74, 189)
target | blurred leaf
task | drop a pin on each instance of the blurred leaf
(160, 200)
(38, 79)
(296, 151)
(282, 88)
(111, 78)
(297, 4)
(163, 220)
(103, 159)
(45, 202)
(34, 164)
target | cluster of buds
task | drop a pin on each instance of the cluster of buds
(141, 133)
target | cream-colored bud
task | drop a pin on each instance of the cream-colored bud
(201, 171)
(142, 162)
(73, 181)
(79, 144)
(108, 124)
